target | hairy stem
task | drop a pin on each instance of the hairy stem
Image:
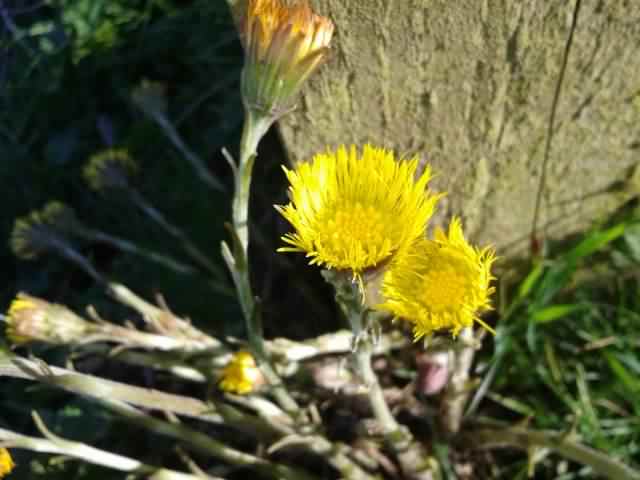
(363, 356)
(255, 127)
(89, 454)
(457, 390)
(414, 461)
(204, 443)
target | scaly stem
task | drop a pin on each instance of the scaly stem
(457, 392)
(348, 298)
(81, 451)
(204, 443)
(416, 464)
(255, 127)
(363, 355)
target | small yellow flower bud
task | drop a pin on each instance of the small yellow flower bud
(6, 462)
(32, 319)
(241, 375)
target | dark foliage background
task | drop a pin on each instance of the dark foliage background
(67, 71)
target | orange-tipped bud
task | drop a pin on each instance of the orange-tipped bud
(283, 44)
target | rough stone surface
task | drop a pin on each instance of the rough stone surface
(468, 84)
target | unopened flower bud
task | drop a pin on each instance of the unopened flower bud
(241, 375)
(31, 319)
(283, 45)
(6, 462)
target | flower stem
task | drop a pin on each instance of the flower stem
(130, 247)
(457, 392)
(194, 252)
(376, 397)
(196, 162)
(255, 127)
(67, 448)
(348, 298)
(416, 464)
(201, 442)
(363, 356)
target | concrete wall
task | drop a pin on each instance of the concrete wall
(469, 84)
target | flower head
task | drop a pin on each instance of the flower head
(283, 45)
(241, 375)
(6, 462)
(151, 98)
(353, 211)
(32, 319)
(111, 168)
(41, 230)
(439, 284)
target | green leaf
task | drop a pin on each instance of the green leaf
(512, 404)
(529, 282)
(630, 382)
(632, 240)
(555, 312)
(554, 280)
(595, 241)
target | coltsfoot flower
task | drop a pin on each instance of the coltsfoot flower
(151, 98)
(41, 230)
(241, 375)
(31, 319)
(111, 168)
(6, 462)
(284, 43)
(353, 211)
(439, 284)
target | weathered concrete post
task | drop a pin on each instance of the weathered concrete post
(469, 84)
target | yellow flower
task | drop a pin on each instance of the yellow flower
(32, 319)
(241, 375)
(439, 284)
(283, 45)
(6, 462)
(111, 168)
(352, 212)
(41, 230)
